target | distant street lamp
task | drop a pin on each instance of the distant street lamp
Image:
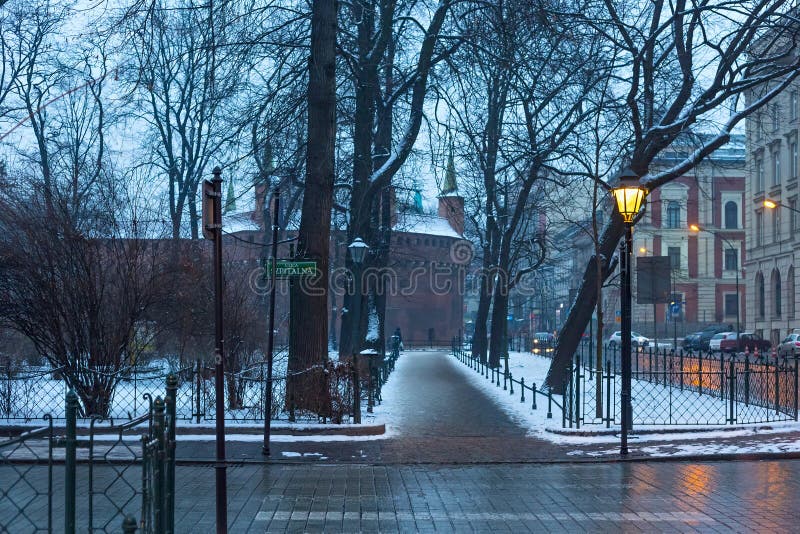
(358, 252)
(629, 196)
(695, 228)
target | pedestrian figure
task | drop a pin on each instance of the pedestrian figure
(399, 338)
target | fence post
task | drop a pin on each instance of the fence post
(732, 391)
(571, 392)
(746, 379)
(199, 382)
(795, 387)
(577, 392)
(700, 371)
(608, 394)
(777, 387)
(511, 380)
(172, 393)
(522, 387)
(550, 402)
(533, 395)
(69, 463)
(159, 474)
(129, 525)
(680, 355)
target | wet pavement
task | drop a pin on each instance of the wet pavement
(454, 462)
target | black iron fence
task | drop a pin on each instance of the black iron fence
(502, 377)
(28, 393)
(667, 388)
(128, 471)
(683, 388)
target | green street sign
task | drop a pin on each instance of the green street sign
(287, 269)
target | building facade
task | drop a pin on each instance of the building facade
(772, 233)
(706, 282)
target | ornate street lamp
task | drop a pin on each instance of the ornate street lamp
(358, 252)
(629, 195)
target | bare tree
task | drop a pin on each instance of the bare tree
(676, 66)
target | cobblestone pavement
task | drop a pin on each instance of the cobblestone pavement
(631, 497)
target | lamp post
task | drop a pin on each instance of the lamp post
(271, 332)
(358, 251)
(697, 229)
(629, 196)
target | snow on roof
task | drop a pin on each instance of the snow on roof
(422, 223)
(241, 221)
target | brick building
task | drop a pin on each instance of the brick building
(426, 270)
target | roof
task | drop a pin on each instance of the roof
(422, 223)
(239, 222)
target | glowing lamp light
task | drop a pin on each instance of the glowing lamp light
(629, 195)
(770, 204)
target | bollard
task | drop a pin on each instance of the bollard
(356, 392)
(505, 381)
(533, 396)
(172, 393)
(549, 402)
(129, 525)
(69, 463)
(511, 380)
(522, 387)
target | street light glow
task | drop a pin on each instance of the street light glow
(770, 204)
(629, 195)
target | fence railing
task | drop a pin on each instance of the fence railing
(26, 393)
(683, 388)
(498, 375)
(131, 483)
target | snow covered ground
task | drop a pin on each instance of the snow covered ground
(656, 441)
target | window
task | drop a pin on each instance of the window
(673, 214)
(731, 215)
(731, 259)
(776, 226)
(760, 294)
(776, 291)
(793, 215)
(759, 228)
(793, 105)
(731, 304)
(759, 174)
(776, 166)
(790, 293)
(674, 254)
(793, 160)
(774, 112)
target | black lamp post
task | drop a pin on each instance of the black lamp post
(271, 333)
(358, 252)
(629, 196)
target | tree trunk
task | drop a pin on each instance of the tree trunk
(308, 336)
(479, 337)
(581, 312)
(497, 341)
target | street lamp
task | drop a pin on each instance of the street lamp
(695, 228)
(629, 195)
(358, 252)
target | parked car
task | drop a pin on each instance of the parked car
(692, 341)
(705, 335)
(637, 340)
(745, 340)
(543, 342)
(716, 340)
(790, 346)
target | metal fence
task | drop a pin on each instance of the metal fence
(499, 376)
(28, 393)
(683, 388)
(128, 470)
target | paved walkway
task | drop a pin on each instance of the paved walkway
(434, 416)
